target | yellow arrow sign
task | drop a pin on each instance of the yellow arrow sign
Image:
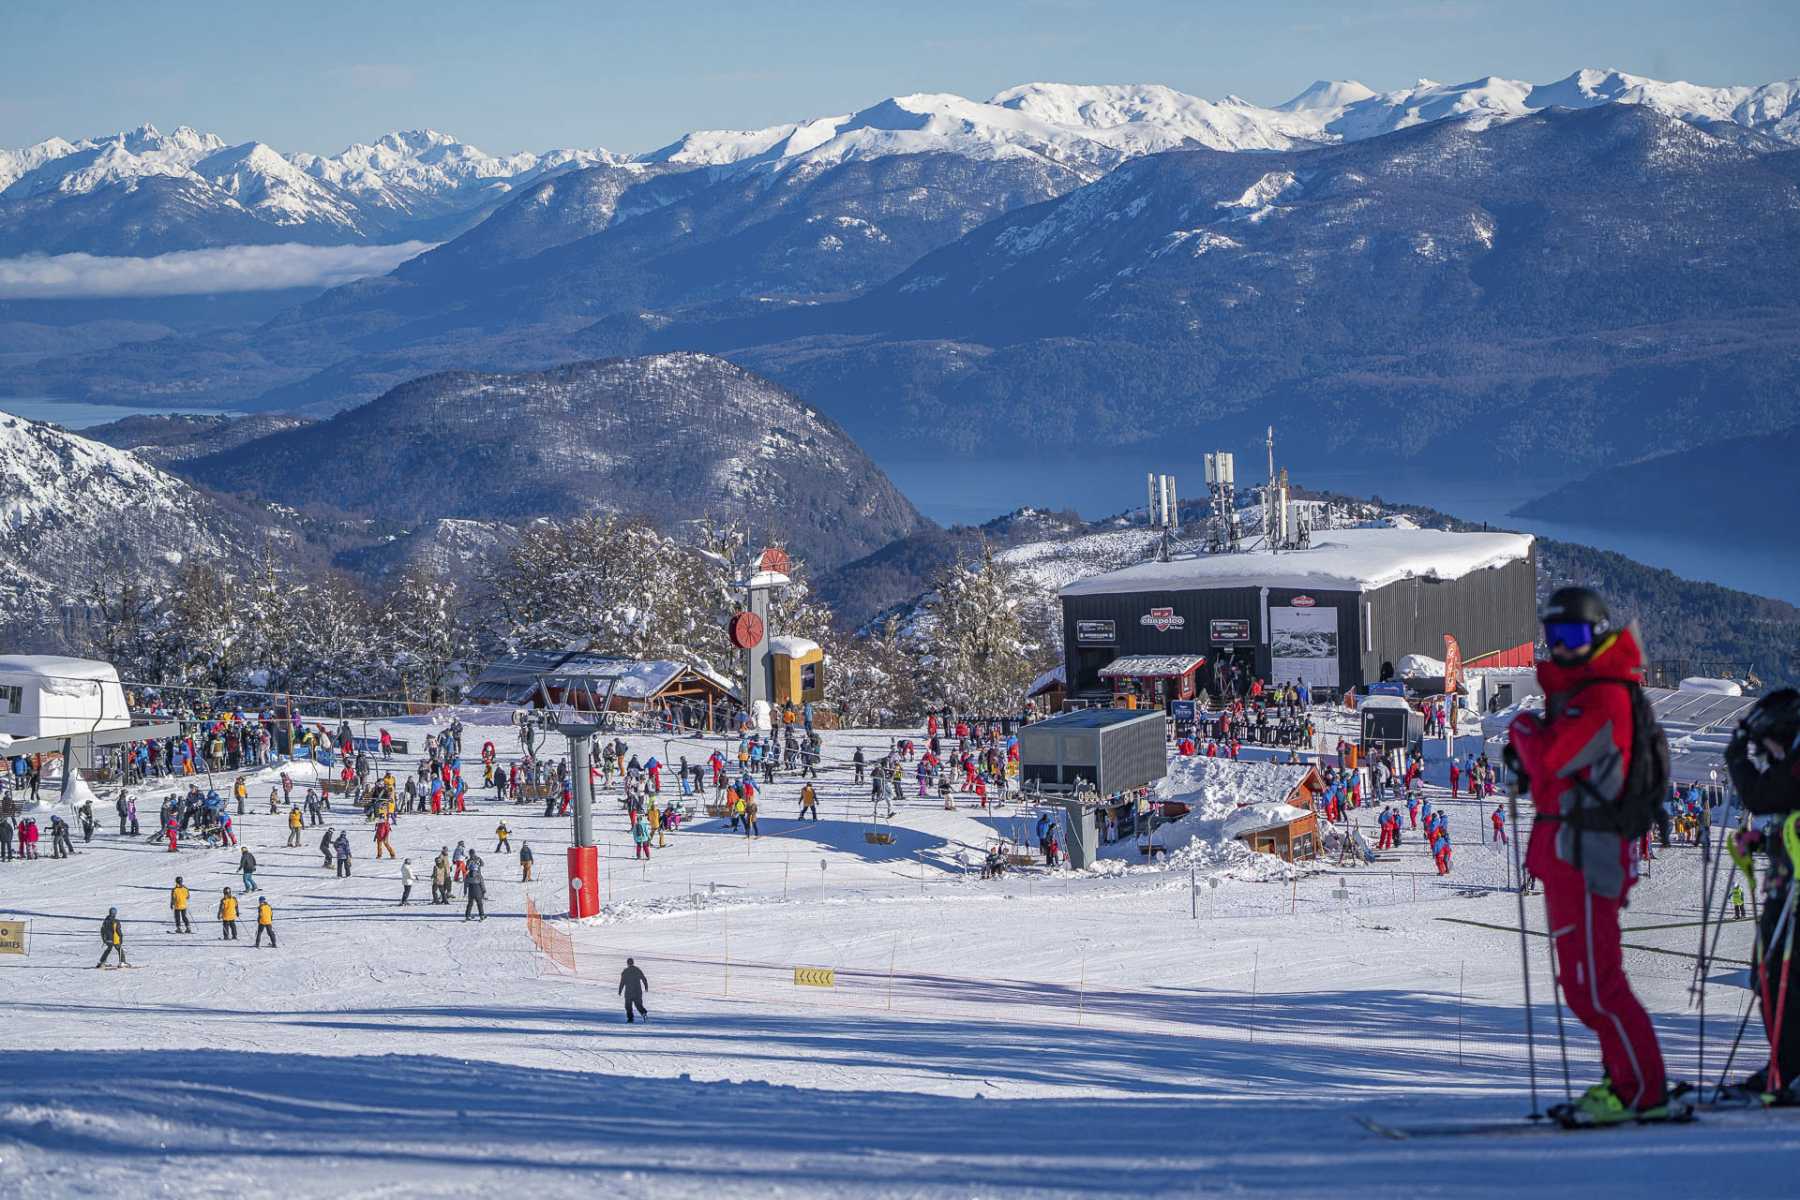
(814, 977)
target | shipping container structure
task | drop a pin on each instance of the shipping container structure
(1116, 750)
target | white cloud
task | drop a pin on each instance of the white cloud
(198, 272)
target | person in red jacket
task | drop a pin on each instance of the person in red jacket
(1578, 750)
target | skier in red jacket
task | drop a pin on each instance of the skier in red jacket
(1585, 734)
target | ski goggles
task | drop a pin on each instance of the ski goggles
(1569, 635)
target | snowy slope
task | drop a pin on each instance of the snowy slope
(1048, 1034)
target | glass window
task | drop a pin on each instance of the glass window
(14, 697)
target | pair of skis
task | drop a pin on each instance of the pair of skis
(1562, 1118)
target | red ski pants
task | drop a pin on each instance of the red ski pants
(1591, 967)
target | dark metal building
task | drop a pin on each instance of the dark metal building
(1330, 615)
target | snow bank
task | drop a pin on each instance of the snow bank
(1420, 666)
(1224, 797)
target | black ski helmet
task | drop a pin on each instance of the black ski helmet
(1578, 605)
(1776, 717)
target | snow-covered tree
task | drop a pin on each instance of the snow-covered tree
(126, 622)
(214, 642)
(618, 586)
(978, 652)
(332, 639)
(423, 633)
(872, 680)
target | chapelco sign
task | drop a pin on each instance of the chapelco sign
(1162, 620)
(1302, 602)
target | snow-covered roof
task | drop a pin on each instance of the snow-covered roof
(793, 647)
(55, 666)
(1384, 702)
(1054, 677)
(1138, 665)
(1253, 817)
(1722, 687)
(514, 679)
(1339, 560)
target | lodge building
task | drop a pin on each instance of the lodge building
(1329, 615)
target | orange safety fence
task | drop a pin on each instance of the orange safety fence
(555, 945)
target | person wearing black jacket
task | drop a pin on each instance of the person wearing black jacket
(475, 888)
(112, 936)
(632, 985)
(1770, 732)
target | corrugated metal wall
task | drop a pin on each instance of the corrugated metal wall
(1485, 611)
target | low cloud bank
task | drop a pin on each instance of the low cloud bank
(197, 272)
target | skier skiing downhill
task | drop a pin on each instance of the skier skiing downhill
(1771, 732)
(1575, 761)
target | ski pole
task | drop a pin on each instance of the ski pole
(1759, 971)
(1790, 836)
(1698, 981)
(1524, 947)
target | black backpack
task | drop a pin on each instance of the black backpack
(1640, 806)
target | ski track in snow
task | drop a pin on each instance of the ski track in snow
(1048, 1034)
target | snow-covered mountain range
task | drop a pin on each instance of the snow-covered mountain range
(144, 191)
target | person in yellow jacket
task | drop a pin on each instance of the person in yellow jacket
(112, 936)
(654, 815)
(809, 802)
(265, 923)
(228, 917)
(178, 904)
(295, 824)
(501, 834)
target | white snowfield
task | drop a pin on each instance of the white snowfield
(1210, 1024)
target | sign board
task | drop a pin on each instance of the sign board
(1303, 645)
(1096, 633)
(12, 937)
(1182, 710)
(1162, 620)
(1390, 688)
(1303, 602)
(1229, 632)
(815, 977)
(372, 745)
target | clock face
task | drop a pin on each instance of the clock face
(774, 559)
(746, 630)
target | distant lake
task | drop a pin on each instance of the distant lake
(72, 414)
(970, 491)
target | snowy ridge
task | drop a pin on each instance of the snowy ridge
(367, 192)
(67, 503)
(387, 187)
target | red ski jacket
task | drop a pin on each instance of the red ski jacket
(1585, 733)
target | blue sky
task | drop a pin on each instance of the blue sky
(514, 74)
